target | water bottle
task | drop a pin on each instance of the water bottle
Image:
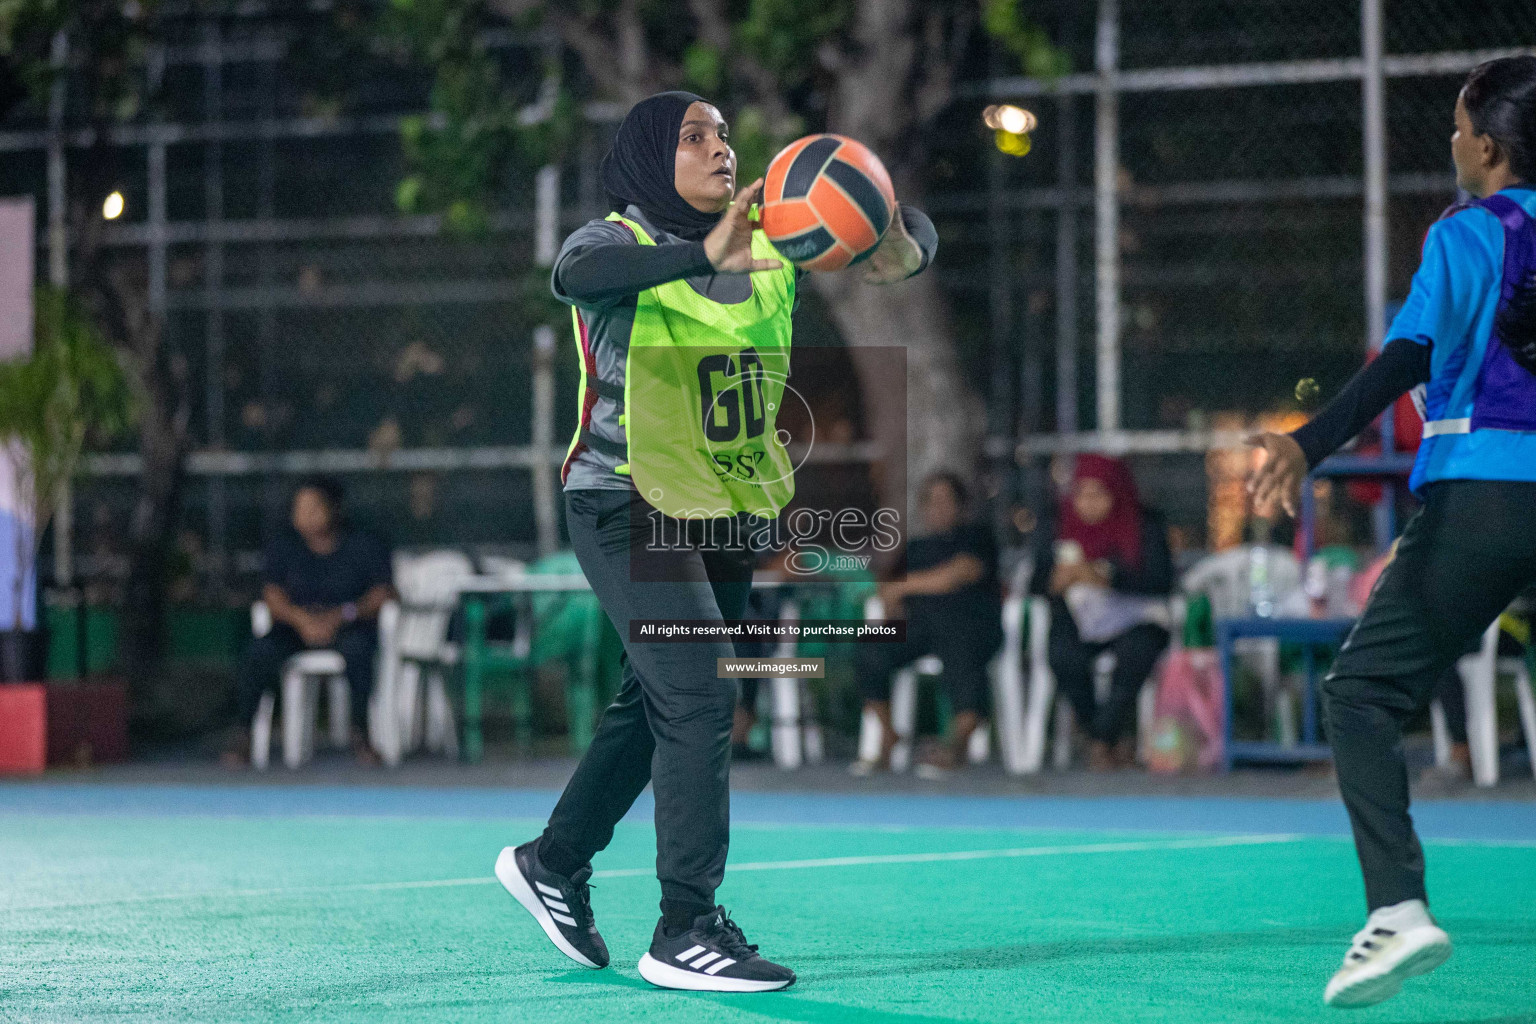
(1341, 602)
(1315, 585)
(1261, 593)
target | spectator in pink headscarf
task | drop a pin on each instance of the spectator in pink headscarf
(1105, 566)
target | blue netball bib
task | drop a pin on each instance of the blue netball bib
(1506, 391)
(1480, 403)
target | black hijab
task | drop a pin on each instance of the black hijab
(641, 168)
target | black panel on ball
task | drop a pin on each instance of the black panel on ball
(805, 246)
(807, 164)
(862, 191)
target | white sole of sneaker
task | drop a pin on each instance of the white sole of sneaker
(666, 976)
(513, 881)
(1420, 955)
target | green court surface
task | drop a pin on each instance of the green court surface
(138, 916)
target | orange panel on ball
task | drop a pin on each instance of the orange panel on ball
(835, 258)
(842, 216)
(787, 218)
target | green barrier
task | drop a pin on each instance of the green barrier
(215, 636)
(568, 627)
(64, 641)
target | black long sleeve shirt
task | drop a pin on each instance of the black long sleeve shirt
(599, 274)
(1402, 365)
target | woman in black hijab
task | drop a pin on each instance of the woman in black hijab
(671, 181)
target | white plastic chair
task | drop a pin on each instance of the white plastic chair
(429, 593)
(300, 687)
(1223, 577)
(301, 678)
(1479, 676)
(1043, 698)
(1007, 693)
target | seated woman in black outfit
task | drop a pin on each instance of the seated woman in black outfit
(325, 584)
(1104, 563)
(952, 602)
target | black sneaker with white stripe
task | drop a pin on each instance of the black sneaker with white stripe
(561, 905)
(712, 956)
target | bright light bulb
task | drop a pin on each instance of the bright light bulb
(112, 206)
(1015, 119)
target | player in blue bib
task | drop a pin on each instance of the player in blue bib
(1467, 338)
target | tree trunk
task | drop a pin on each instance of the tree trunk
(926, 418)
(164, 417)
(885, 90)
(151, 542)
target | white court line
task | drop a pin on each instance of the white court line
(1516, 843)
(771, 865)
(1017, 851)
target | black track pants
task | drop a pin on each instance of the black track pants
(1463, 558)
(670, 724)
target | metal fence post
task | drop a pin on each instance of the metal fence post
(544, 494)
(1374, 128)
(155, 159)
(1374, 121)
(213, 289)
(1066, 269)
(1001, 420)
(546, 247)
(58, 277)
(1106, 201)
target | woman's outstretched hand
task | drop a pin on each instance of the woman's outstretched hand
(896, 258)
(729, 243)
(1277, 481)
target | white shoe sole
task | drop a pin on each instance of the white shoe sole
(1423, 955)
(666, 976)
(513, 881)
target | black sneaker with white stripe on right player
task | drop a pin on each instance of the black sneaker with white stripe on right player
(561, 905)
(712, 956)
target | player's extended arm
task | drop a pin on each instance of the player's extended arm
(908, 247)
(604, 272)
(1289, 457)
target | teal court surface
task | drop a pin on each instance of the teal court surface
(297, 903)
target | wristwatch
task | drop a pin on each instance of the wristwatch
(349, 612)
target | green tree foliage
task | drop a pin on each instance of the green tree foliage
(767, 61)
(1028, 43)
(70, 390)
(481, 118)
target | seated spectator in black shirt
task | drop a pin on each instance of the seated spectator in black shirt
(1105, 565)
(325, 584)
(952, 602)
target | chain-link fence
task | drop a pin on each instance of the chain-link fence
(1239, 201)
(307, 316)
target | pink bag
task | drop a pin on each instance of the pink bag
(1189, 721)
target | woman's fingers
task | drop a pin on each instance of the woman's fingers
(1277, 480)
(766, 264)
(745, 198)
(1264, 497)
(1274, 485)
(1266, 464)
